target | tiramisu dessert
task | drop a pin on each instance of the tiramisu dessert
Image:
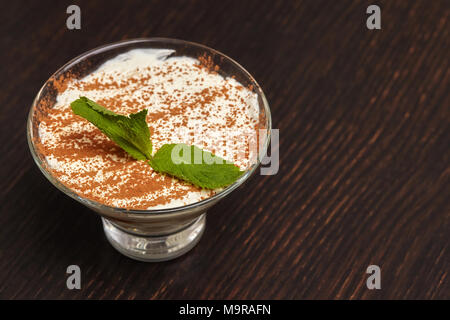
(187, 102)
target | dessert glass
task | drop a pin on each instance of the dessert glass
(148, 235)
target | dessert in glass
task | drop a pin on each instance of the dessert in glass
(193, 95)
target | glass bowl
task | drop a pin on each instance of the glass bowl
(147, 235)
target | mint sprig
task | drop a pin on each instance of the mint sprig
(188, 163)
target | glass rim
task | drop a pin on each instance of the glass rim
(142, 212)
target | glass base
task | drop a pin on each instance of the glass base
(154, 248)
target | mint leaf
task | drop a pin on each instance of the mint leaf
(130, 133)
(192, 164)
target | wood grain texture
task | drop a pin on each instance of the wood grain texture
(364, 119)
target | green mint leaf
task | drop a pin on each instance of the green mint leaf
(192, 164)
(130, 133)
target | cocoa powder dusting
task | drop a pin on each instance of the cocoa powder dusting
(93, 166)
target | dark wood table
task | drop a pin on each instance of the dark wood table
(364, 119)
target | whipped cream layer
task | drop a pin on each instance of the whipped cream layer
(187, 102)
